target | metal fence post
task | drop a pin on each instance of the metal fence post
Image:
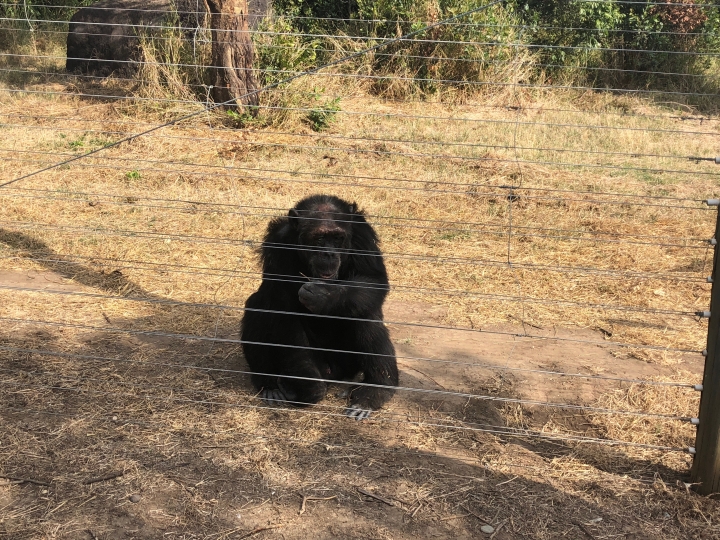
(706, 465)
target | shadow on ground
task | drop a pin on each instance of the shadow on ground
(119, 435)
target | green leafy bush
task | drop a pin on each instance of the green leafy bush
(320, 118)
(623, 44)
(26, 11)
(606, 43)
(280, 51)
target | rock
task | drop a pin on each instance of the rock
(104, 38)
(134, 498)
(487, 529)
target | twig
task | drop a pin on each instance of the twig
(378, 497)
(86, 501)
(182, 485)
(108, 476)
(12, 482)
(584, 529)
(419, 506)
(92, 534)
(258, 530)
(497, 529)
(506, 481)
(484, 520)
(24, 480)
(523, 321)
(454, 517)
(425, 375)
(306, 498)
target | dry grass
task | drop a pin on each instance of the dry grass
(206, 461)
(266, 171)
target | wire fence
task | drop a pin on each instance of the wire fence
(527, 194)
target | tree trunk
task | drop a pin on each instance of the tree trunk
(232, 55)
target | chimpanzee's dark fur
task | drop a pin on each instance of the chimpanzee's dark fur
(321, 259)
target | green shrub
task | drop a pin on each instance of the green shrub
(47, 10)
(619, 44)
(320, 118)
(605, 42)
(279, 51)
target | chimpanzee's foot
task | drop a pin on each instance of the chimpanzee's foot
(357, 413)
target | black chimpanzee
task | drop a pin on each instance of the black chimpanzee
(319, 308)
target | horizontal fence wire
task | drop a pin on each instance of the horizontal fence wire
(387, 114)
(326, 443)
(358, 21)
(404, 40)
(60, 259)
(161, 301)
(197, 31)
(332, 136)
(193, 337)
(497, 430)
(640, 200)
(330, 444)
(438, 226)
(644, 382)
(624, 114)
(327, 407)
(445, 119)
(238, 209)
(326, 50)
(380, 78)
(483, 159)
(265, 46)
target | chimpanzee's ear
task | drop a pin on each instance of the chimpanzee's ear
(294, 218)
(353, 208)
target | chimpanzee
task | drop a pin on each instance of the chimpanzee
(317, 315)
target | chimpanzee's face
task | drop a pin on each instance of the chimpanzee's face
(324, 247)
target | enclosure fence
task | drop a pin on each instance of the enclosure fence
(545, 194)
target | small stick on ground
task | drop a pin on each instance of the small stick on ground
(24, 480)
(92, 534)
(584, 529)
(378, 497)
(425, 375)
(306, 498)
(497, 529)
(458, 516)
(419, 506)
(523, 321)
(108, 476)
(484, 520)
(506, 481)
(258, 530)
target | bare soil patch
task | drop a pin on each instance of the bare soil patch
(202, 459)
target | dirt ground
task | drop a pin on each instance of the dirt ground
(138, 447)
(532, 283)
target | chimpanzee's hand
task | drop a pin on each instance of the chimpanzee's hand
(316, 296)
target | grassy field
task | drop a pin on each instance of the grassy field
(124, 258)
